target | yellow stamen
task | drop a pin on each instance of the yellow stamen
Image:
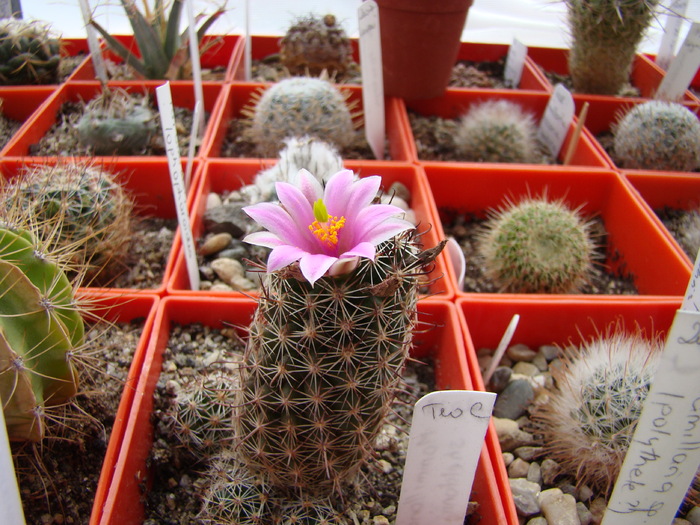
(325, 227)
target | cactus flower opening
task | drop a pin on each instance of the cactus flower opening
(324, 229)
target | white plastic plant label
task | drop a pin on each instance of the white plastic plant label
(93, 44)
(172, 150)
(196, 66)
(447, 435)
(10, 502)
(515, 62)
(664, 455)
(674, 20)
(683, 68)
(556, 119)
(372, 76)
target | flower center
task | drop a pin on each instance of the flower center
(325, 227)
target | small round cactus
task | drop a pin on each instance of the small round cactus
(591, 417)
(117, 123)
(497, 131)
(658, 135)
(537, 246)
(313, 45)
(300, 106)
(30, 52)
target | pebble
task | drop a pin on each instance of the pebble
(500, 378)
(680, 521)
(525, 496)
(508, 458)
(584, 515)
(215, 243)
(514, 400)
(400, 190)
(550, 352)
(229, 218)
(539, 520)
(597, 509)
(213, 200)
(526, 369)
(550, 471)
(509, 434)
(528, 453)
(227, 269)
(534, 473)
(540, 362)
(385, 466)
(518, 468)
(559, 508)
(694, 516)
(380, 520)
(585, 493)
(520, 352)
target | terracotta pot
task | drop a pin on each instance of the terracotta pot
(223, 176)
(443, 344)
(420, 41)
(636, 246)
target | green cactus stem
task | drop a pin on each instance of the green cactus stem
(30, 52)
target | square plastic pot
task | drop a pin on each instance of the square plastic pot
(239, 96)
(182, 94)
(221, 52)
(227, 175)
(147, 181)
(444, 344)
(20, 103)
(680, 191)
(556, 321)
(455, 103)
(635, 243)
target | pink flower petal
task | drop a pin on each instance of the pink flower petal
(266, 239)
(314, 266)
(386, 230)
(338, 192)
(370, 217)
(308, 185)
(363, 192)
(296, 205)
(283, 256)
(364, 249)
(275, 219)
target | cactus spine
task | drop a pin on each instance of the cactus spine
(658, 135)
(605, 35)
(537, 246)
(30, 53)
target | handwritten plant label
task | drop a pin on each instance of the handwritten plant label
(664, 455)
(515, 62)
(172, 150)
(196, 66)
(556, 119)
(10, 502)
(683, 68)
(447, 435)
(93, 44)
(372, 76)
(674, 19)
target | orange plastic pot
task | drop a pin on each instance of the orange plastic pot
(182, 94)
(636, 244)
(222, 176)
(20, 103)
(221, 52)
(147, 182)
(545, 321)
(240, 96)
(443, 343)
(455, 103)
(659, 190)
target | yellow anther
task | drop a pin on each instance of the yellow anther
(327, 231)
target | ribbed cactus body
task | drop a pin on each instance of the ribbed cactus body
(29, 53)
(323, 364)
(39, 329)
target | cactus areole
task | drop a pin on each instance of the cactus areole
(331, 332)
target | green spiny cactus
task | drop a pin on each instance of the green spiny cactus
(537, 246)
(591, 417)
(296, 107)
(658, 135)
(605, 35)
(77, 208)
(117, 123)
(317, 386)
(40, 329)
(30, 52)
(497, 131)
(313, 45)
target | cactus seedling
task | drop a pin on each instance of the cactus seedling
(30, 52)
(605, 35)
(313, 45)
(497, 131)
(297, 107)
(658, 135)
(537, 246)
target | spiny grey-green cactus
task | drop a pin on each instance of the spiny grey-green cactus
(605, 35)
(591, 417)
(497, 131)
(40, 330)
(316, 44)
(297, 107)
(30, 52)
(117, 123)
(79, 208)
(537, 246)
(658, 135)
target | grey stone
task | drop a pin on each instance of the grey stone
(400, 190)
(550, 352)
(597, 509)
(694, 516)
(509, 434)
(528, 453)
(558, 508)
(514, 400)
(215, 243)
(228, 270)
(680, 521)
(228, 218)
(518, 468)
(508, 458)
(525, 368)
(534, 473)
(525, 496)
(539, 520)
(584, 515)
(585, 493)
(500, 378)
(540, 361)
(520, 352)
(550, 471)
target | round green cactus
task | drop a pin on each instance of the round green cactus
(297, 107)
(591, 417)
(30, 52)
(313, 45)
(117, 123)
(537, 246)
(658, 135)
(497, 131)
